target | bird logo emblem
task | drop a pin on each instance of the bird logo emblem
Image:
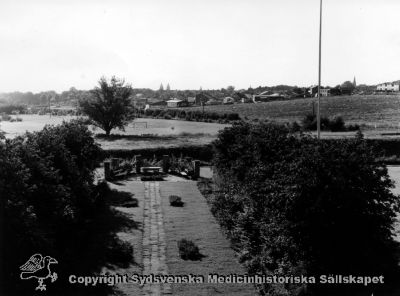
(38, 267)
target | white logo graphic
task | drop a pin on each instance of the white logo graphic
(38, 267)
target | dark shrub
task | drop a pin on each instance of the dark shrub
(233, 116)
(188, 250)
(182, 114)
(5, 117)
(52, 205)
(353, 127)
(297, 205)
(325, 123)
(175, 201)
(156, 112)
(309, 122)
(337, 124)
(13, 109)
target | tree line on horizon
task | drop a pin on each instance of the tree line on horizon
(73, 95)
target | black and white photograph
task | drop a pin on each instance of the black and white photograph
(186, 147)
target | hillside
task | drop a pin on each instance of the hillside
(380, 110)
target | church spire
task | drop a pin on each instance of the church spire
(354, 82)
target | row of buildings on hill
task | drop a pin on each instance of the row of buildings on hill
(389, 86)
(243, 96)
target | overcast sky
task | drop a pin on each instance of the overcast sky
(56, 44)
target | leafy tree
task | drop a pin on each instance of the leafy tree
(109, 106)
(296, 205)
(53, 207)
(230, 89)
(336, 91)
(347, 87)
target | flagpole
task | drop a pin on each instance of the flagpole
(319, 74)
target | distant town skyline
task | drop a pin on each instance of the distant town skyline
(54, 45)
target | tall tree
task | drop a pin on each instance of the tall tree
(109, 105)
(230, 89)
(347, 88)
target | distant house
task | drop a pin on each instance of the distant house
(228, 100)
(140, 103)
(204, 98)
(156, 102)
(213, 102)
(325, 92)
(139, 96)
(313, 91)
(389, 86)
(267, 96)
(175, 103)
(244, 98)
(247, 99)
(194, 101)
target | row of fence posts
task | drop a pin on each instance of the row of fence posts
(114, 163)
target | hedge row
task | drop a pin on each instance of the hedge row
(203, 153)
(9, 109)
(191, 115)
(389, 148)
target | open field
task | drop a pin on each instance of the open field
(380, 110)
(165, 133)
(159, 127)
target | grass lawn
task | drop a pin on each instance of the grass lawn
(194, 222)
(132, 235)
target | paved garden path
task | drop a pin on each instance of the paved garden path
(155, 245)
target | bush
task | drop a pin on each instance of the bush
(190, 115)
(175, 201)
(12, 109)
(6, 117)
(52, 205)
(353, 127)
(294, 127)
(337, 124)
(188, 250)
(296, 205)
